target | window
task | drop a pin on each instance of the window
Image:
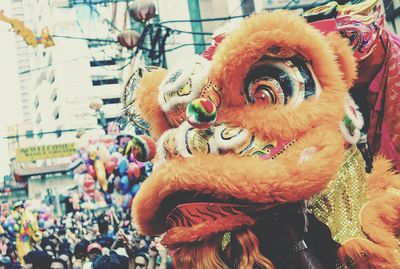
(56, 114)
(36, 103)
(103, 62)
(54, 95)
(52, 77)
(111, 101)
(38, 118)
(107, 81)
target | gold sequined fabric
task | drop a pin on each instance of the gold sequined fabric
(338, 206)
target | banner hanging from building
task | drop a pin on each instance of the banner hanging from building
(45, 152)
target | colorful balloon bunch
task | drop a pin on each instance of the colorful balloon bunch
(36, 211)
(24, 225)
(119, 164)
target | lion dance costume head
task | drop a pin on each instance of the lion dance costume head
(252, 168)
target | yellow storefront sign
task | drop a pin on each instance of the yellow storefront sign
(45, 152)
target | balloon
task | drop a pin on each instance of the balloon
(98, 195)
(91, 171)
(41, 223)
(131, 157)
(112, 149)
(124, 184)
(127, 201)
(135, 188)
(92, 140)
(101, 174)
(107, 197)
(116, 157)
(85, 157)
(89, 185)
(142, 10)
(128, 39)
(103, 153)
(133, 171)
(110, 166)
(116, 183)
(123, 167)
(122, 140)
(108, 140)
(92, 153)
(10, 229)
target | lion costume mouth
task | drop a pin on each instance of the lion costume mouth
(243, 184)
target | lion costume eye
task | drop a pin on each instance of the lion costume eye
(280, 81)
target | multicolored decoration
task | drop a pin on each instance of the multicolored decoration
(141, 148)
(30, 38)
(27, 232)
(201, 113)
(359, 23)
(101, 174)
(113, 163)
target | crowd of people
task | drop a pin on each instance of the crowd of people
(88, 240)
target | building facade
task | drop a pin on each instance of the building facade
(21, 9)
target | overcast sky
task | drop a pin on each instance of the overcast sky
(10, 102)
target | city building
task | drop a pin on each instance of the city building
(20, 9)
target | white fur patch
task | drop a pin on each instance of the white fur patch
(352, 112)
(161, 154)
(195, 70)
(351, 106)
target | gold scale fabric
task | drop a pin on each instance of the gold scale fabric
(339, 204)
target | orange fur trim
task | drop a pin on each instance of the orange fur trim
(147, 104)
(245, 46)
(380, 220)
(247, 179)
(345, 58)
(365, 254)
(201, 231)
(382, 177)
(283, 121)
